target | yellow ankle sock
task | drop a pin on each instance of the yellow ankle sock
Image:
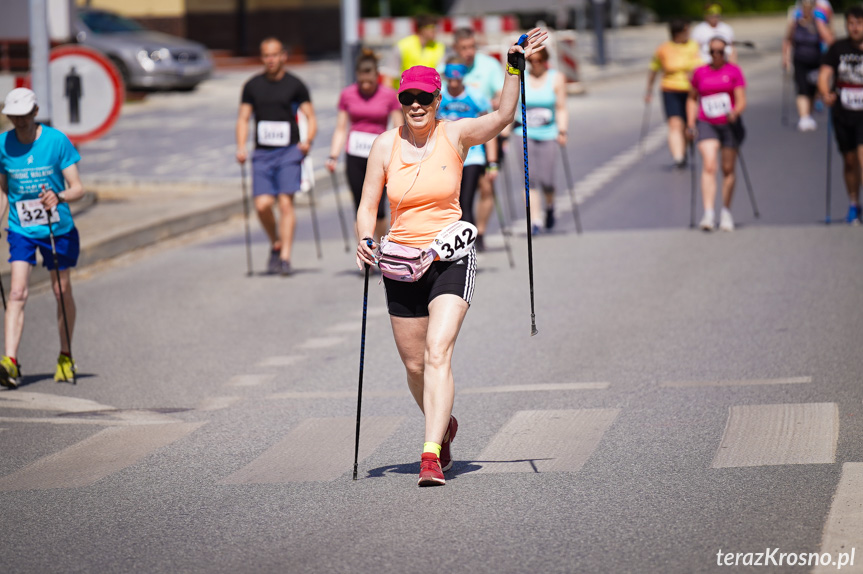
(432, 447)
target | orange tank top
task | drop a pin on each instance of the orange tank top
(431, 202)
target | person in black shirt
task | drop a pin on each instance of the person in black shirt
(840, 82)
(274, 98)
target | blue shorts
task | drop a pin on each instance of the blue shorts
(23, 248)
(675, 104)
(276, 170)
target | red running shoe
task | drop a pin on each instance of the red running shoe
(445, 455)
(430, 472)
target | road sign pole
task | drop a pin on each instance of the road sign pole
(39, 48)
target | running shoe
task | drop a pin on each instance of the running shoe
(66, 369)
(534, 229)
(549, 219)
(807, 124)
(430, 472)
(284, 268)
(274, 264)
(445, 454)
(726, 222)
(854, 214)
(9, 373)
(707, 221)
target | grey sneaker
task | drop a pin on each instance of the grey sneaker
(284, 267)
(273, 265)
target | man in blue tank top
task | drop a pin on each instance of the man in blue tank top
(38, 178)
(458, 102)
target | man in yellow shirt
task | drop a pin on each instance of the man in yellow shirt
(420, 49)
(676, 59)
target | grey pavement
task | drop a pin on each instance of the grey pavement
(687, 393)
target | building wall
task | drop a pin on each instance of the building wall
(305, 26)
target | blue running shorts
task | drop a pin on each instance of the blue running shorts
(276, 170)
(23, 248)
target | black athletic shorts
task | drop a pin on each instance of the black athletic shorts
(443, 277)
(849, 133)
(806, 79)
(729, 135)
(675, 104)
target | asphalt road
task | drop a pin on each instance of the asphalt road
(687, 394)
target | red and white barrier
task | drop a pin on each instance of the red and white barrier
(567, 57)
(387, 31)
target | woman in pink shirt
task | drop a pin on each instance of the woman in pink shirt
(716, 100)
(368, 107)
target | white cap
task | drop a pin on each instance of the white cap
(19, 102)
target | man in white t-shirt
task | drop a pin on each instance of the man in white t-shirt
(711, 28)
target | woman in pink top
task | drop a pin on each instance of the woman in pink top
(368, 107)
(421, 165)
(717, 99)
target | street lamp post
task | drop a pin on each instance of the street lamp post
(40, 46)
(599, 30)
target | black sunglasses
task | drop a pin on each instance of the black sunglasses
(424, 98)
(722, 51)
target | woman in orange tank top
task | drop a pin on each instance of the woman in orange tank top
(420, 164)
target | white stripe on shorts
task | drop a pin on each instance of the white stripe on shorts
(470, 279)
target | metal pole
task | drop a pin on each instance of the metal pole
(350, 37)
(40, 45)
(599, 30)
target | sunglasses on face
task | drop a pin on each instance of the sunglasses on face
(714, 52)
(424, 98)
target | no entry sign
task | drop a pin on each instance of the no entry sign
(86, 93)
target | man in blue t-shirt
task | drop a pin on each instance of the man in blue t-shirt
(458, 102)
(38, 178)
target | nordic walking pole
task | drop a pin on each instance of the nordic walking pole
(693, 171)
(748, 183)
(339, 209)
(569, 186)
(315, 221)
(2, 290)
(504, 231)
(518, 61)
(369, 242)
(645, 125)
(246, 217)
(829, 166)
(62, 297)
(507, 181)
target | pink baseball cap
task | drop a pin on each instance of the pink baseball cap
(420, 78)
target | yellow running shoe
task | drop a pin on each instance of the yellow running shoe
(9, 373)
(66, 369)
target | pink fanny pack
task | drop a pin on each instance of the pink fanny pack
(403, 263)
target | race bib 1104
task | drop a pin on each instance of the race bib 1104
(31, 212)
(276, 134)
(360, 143)
(716, 105)
(852, 99)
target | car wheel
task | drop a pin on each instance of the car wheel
(121, 67)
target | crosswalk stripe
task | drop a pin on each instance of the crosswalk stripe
(281, 361)
(250, 380)
(546, 441)
(739, 383)
(106, 452)
(537, 387)
(759, 435)
(843, 530)
(317, 449)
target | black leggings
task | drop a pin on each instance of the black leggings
(469, 181)
(356, 168)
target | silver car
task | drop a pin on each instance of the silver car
(146, 59)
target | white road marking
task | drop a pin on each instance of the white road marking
(546, 441)
(106, 452)
(316, 450)
(336, 394)
(346, 327)
(281, 361)
(843, 530)
(321, 342)
(47, 402)
(740, 383)
(250, 380)
(217, 403)
(760, 435)
(531, 388)
(108, 422)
